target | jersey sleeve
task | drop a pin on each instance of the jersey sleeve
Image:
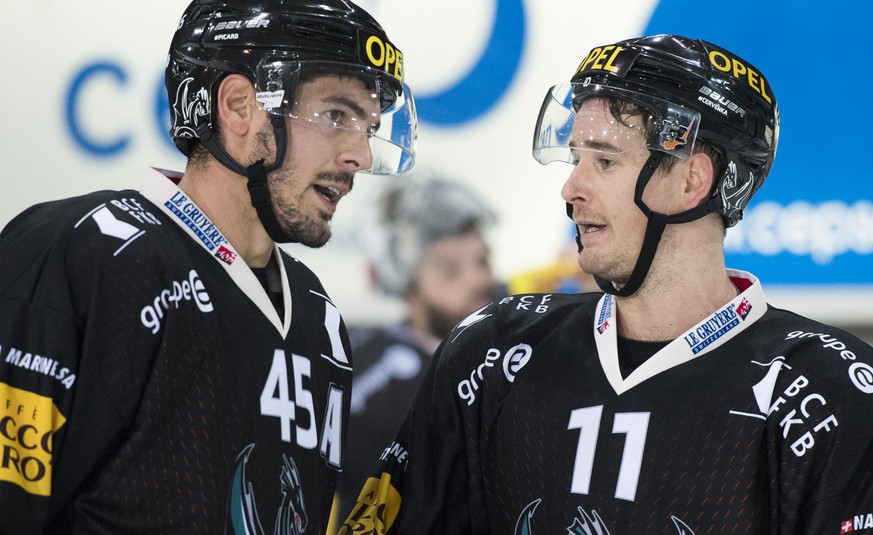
(37, 378)
(423, 482)
(59, 327)
(820, 424)
(848, 511)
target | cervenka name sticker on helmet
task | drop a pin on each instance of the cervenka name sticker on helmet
(378, 51)
(612, 58)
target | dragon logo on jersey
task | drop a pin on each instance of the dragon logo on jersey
(522, 526)
(243, 516)
(584, 524)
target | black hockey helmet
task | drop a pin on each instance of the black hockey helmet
(692, 90)
(277, 44)
(678, 79)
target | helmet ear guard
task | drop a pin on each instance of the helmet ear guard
(734, 190)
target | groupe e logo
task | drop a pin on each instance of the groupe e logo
(190, 289)
(514, 360)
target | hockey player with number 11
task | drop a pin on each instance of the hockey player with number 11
(675, 402)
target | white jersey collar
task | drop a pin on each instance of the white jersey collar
(159, 187)
(722, 325)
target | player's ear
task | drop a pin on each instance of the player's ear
(236, 106)
(698, 179)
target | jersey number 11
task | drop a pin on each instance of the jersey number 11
(634, 425)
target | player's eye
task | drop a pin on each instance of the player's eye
(335, 116)
(606, 163)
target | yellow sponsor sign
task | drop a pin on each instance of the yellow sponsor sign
(28, 421)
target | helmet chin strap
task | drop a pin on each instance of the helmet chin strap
(654, 230)
(256, 174)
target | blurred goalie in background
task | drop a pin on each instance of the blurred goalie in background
(427, 246)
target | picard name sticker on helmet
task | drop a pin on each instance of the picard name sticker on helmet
(612, 58)
(728, 63)
(380, 53)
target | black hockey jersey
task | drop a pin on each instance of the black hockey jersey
(756, 420)
(148, 384)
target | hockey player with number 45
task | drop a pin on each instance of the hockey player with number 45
(675, 402)
(164, 366)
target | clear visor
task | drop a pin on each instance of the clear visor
(566, 125)
(343, 102)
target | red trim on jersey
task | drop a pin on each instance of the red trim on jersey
(741, 284)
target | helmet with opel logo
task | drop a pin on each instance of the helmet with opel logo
(691, 88)
(279, 44)
(690, 91)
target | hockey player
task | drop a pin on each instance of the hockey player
(165, 367)
(678, 401)
(426, 245)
